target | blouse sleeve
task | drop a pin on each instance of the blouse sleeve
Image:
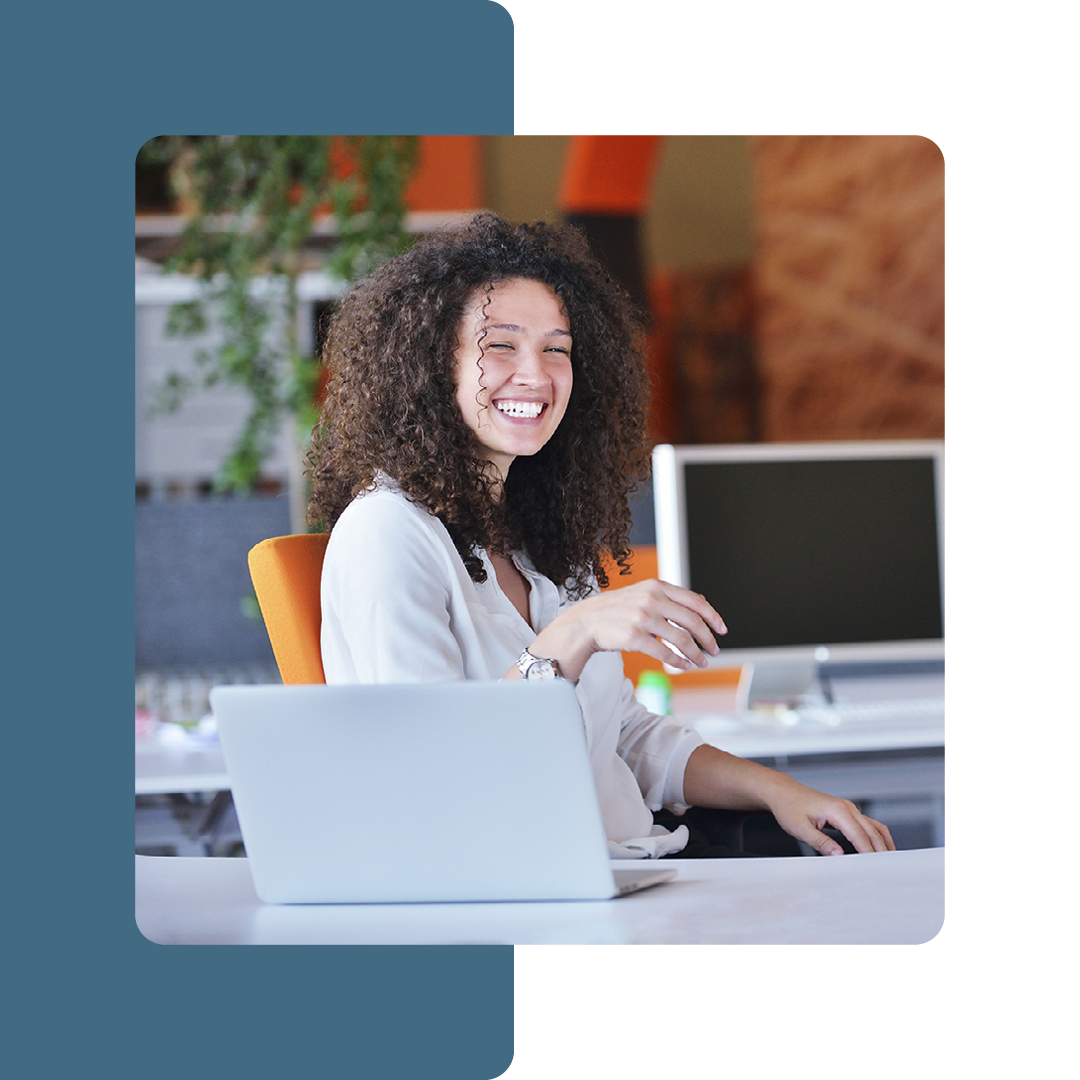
(656, 748)
(386, 598)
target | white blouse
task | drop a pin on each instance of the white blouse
(398, 606)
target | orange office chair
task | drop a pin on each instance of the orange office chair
(286, 571)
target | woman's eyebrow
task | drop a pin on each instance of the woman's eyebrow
(514, 329)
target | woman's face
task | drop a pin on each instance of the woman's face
(513, 369)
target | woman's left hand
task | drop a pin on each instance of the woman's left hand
(718, 779)
(803, 813)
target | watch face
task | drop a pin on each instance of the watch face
(541, 669)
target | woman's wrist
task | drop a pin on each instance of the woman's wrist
(776, 788)
(565, 642)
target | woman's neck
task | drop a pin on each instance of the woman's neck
(513, 583)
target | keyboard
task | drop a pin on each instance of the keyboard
(871, 712)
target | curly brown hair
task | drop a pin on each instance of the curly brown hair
(390, 402)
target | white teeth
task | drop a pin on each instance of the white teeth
(526, 409)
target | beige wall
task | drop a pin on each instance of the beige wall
(523, 173)
(699, 213)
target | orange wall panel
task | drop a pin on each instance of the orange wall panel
(449, 174)
(608, 174)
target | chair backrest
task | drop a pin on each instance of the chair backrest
(286, 571)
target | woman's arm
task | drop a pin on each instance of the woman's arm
(647, 617)
(386, 598)
(716, 779)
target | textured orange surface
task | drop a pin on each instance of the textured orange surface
(701, 356)
(849, 265)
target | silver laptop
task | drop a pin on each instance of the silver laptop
(465, 791)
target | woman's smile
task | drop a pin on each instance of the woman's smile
(520, 410)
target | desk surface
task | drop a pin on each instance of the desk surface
(709, 710)
(162, 767)
(765, 739)
(887, 898)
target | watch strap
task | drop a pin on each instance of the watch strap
(527, 663)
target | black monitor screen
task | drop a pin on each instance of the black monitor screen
(816, 552)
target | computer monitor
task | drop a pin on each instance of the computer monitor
(809, 551)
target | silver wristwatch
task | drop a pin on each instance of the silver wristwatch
(534, 667)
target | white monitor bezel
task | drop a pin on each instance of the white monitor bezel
(671, 542)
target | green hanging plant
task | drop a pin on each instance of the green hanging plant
(252, 202)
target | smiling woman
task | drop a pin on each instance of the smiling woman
(414, 353)
(482, 429)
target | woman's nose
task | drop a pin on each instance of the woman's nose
(531, 368)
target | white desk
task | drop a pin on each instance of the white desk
(888, 898)
(710, 711)
(895, 770)
(162, 767)
(192, 814)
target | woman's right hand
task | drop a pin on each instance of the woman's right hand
(649, 617)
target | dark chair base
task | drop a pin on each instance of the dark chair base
(719, 834)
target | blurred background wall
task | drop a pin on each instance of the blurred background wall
(795, 287)
(849, 294)
(821, 257)
(697, 212)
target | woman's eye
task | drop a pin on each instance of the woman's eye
(558, 349)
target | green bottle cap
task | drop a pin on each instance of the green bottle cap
(654, 678)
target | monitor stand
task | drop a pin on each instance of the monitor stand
(784, 682)
(780, 681)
